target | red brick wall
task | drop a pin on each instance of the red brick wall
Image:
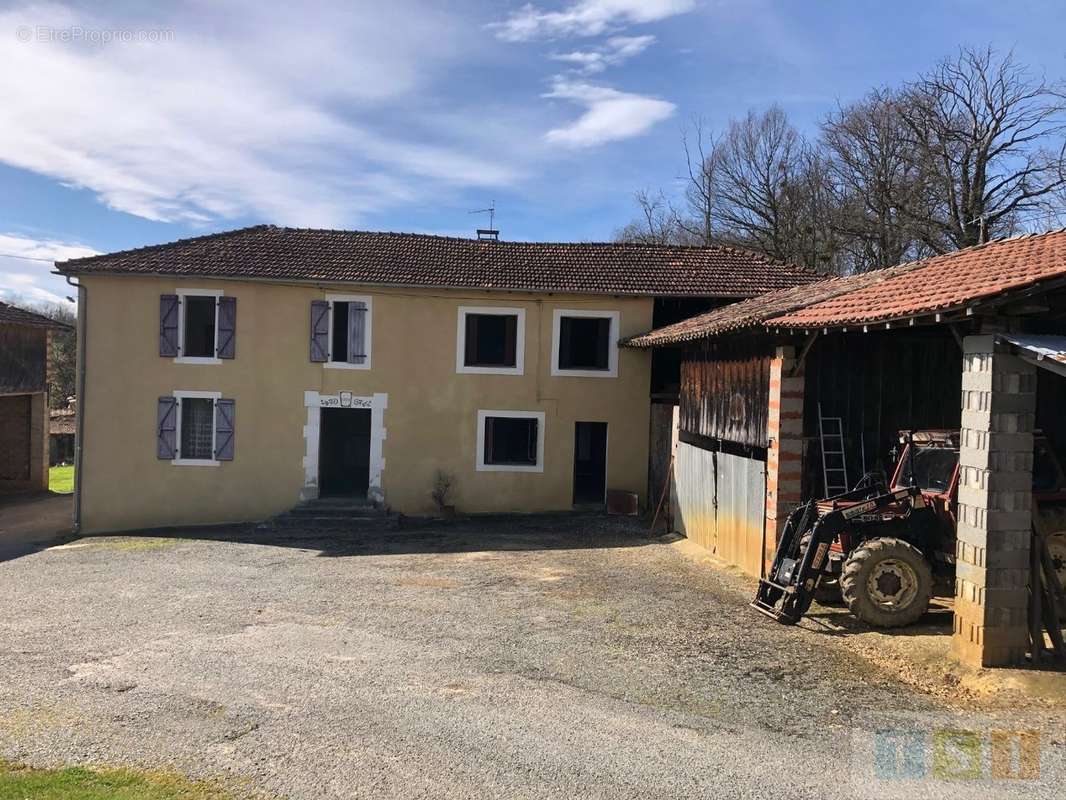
(784, 457)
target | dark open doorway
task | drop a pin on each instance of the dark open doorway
(344, 452)
(590, 462)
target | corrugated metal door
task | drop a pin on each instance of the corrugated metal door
(721, 504)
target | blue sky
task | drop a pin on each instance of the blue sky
(123, 125)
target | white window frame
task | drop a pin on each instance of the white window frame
(180, 395)
(483, 415)
(182, 294)
(350, 298)
(612, 344)
(520, 340)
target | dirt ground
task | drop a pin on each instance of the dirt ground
(534, 657)
(918, 655)
(31, 521)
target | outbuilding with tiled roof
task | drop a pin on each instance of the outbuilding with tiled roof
(802, 392)
(25, 338)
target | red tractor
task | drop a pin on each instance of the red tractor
(880, 546)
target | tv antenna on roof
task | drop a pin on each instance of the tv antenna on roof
(489, 232)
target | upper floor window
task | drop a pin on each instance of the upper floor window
(341, 331)
(491, 340)
(585, 343)
(198, 326)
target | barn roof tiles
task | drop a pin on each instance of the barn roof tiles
(949, 282)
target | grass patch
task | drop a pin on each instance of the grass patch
(81, 783)
(61, 479)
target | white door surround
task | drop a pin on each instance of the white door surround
(315, 402)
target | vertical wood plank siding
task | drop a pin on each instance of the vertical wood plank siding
(879, 383)
(22, 359)
(725, 390)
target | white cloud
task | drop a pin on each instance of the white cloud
(292, 117)
(585, 18)
(616, 50)
(610, 115)
(26, 265)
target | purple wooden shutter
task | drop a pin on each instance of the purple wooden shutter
(357, 333)
(319, 330)
(167, 428)
(224, 414)
(227, 327)
(168, 325)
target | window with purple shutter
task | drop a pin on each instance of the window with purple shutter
(167, 428)
(227, 327)
(168, 325)
(225, 410)
(357, 320)
(319, 330)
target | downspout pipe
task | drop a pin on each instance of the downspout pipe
(79, 435)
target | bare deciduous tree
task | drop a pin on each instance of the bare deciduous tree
(973, 149)
(990, 139)
(876, 182)
(657, 223)
(702, 155)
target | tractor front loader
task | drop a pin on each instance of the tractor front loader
(802, 557)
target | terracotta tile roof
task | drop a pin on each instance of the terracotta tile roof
(13, 315)
(414, 260)
(946, 282)
(757, 310)
(62, 421)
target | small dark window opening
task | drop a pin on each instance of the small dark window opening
(199, 327)
(584, 343)
(197, 428)
(511, 441)
(340, 332)
(491, 340)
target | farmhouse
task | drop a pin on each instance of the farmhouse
(232, 376)
(24, 346)
(972, 342)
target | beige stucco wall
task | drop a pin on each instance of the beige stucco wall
(430, 420)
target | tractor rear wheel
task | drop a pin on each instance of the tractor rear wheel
(887, 583)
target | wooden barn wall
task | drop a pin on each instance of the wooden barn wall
(878, 384)
(1051, 409)
(725, 390)
(22, 359)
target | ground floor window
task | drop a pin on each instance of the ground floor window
(510, 441)
(195, 428)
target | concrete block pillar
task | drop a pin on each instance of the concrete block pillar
(784, 456)
(995, 505)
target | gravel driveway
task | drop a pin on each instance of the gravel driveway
(546, 657)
